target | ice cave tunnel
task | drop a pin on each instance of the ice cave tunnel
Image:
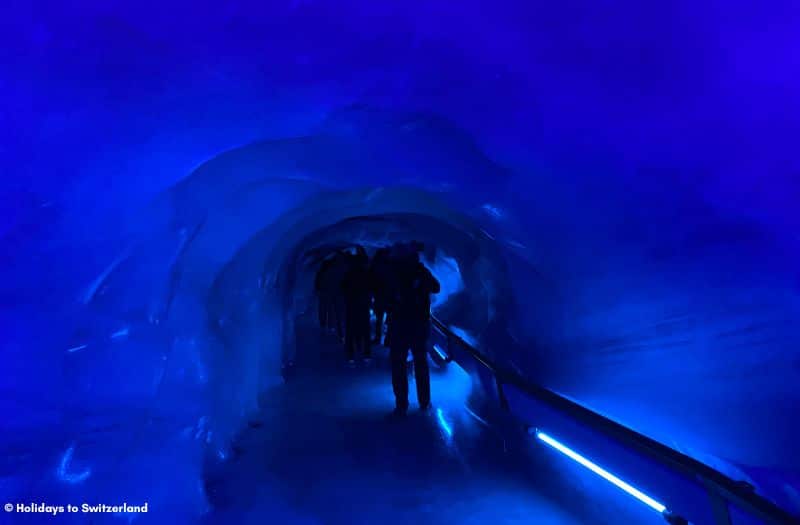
(607, 192)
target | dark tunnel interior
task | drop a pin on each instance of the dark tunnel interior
(606, 194)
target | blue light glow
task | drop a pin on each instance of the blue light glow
(438, 350)
(476, 416)
(448, 273)
(445, 426)
(464, 335)
(157, 182)
(644, 498)
(122, 332)
(62, 472)
(492, 210)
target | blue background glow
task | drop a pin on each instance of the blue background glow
(613, 187)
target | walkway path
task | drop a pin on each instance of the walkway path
(325, 452)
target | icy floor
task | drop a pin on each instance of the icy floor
(324, 452)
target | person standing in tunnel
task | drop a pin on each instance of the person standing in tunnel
(357, 296)
(325, 296)
(410, 327)
(331, 284)
(380, 279)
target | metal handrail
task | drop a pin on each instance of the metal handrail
(718, 483)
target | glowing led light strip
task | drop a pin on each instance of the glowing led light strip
(441, 352)
(443, 423)
(644, 498)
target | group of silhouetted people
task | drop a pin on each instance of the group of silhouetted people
(396, 287)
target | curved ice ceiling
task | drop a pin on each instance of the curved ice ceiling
(632, 167)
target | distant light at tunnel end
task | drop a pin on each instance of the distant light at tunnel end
(641, 496)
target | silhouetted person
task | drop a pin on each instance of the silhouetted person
(330, 291)
(357, 296)
(325, 296)
(381, 277)
(410, 328)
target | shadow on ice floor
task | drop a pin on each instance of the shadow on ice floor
(324, 452)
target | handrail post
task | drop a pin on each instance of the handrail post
(719, 506)
(449, 344)
(501, 395)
